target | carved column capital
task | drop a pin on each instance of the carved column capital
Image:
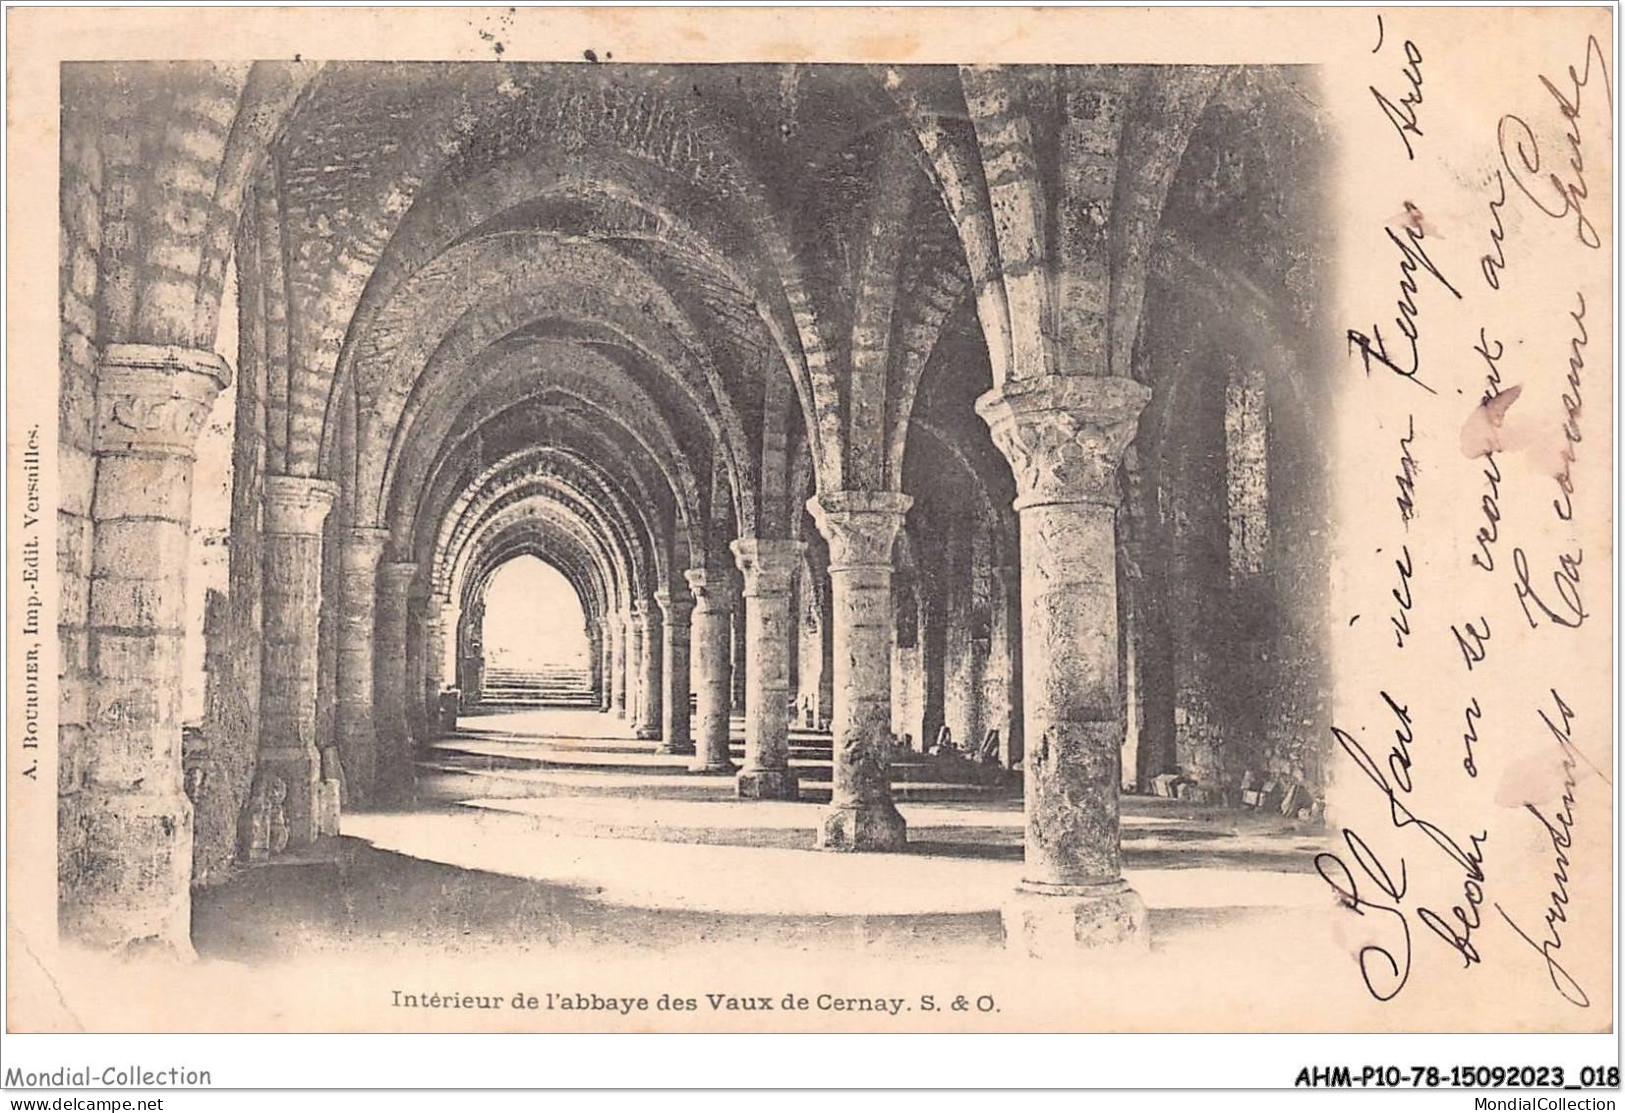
(363, 548)
(154, 399)
(420, 596)
(1064, 435)
(768, 565)
(860, 526)
(713, 590)
(296, 505)
(674, 609)
(395, 577)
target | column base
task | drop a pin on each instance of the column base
(874, 827)
(684, 748)
(333, 770)
(1045, 921)
(646, 734)
(327, 808)
(395, 782)
(358, 754)
(127, 873)
(293, 777)
(708, 766)
(767, 784)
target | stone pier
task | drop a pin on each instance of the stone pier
(650, 658)
(418, 603)
(595, 658)
(635, 623)
(737, 641)
(1064, 437)
(675, 610)
(616, 627)
(769, 568)
(861, 527)
(437, 620)
(606, 664)
(295, 510)
(390, 679)
(712, 639)
(355, 728)
(129, 821)
(1003, 685)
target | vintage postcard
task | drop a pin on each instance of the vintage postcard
(812, 520)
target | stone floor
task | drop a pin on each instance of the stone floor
(552, 855)
(557, 828)
(551, 852)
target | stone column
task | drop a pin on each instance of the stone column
(861, 527)
(437, 620)
(295, 509)
(595, 657)
(675, 734)
(417, 619)
(616, 625)
(768, 567)
(606, 666)
(1004, 663)
(451, 665)
(738, 639)
(650, 660)
(389, 680)
(131, 823)
(712, 640)
(963, 710)
(471, 656)
(932, 612)
(634, 628)
(826, 666)
(354, 727)
(1064, 437)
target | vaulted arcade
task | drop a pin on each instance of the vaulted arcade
(962, 414)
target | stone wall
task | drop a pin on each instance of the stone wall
(232, 727)
(81, 187)
(1232, 454)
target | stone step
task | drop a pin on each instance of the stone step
(540, 686)
(813, 753)
(812, 788)
(811, 770)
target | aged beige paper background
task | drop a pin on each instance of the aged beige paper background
(1480, 66)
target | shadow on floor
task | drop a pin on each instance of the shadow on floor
(365, 899)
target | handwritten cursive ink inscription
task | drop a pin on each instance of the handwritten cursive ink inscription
(1401, 621)
(1384, 975)
(1570, 610)
(1390, 977)
(1469, 736)
(1472, 642)
(1406, 477)
(1559, 829)
(1490, 502)
(1494, 261)
(1564, 504)
(1413, 260)
(1402, 114)
(1557, 197)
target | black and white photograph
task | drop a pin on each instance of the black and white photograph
(813, 520)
